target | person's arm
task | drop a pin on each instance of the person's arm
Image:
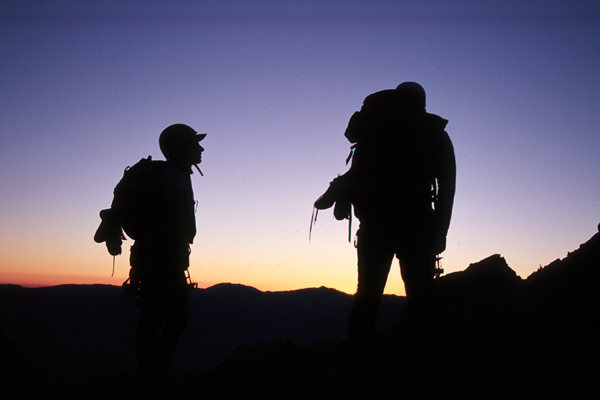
(446, 179)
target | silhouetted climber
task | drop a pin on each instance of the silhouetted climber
(154, 204)
(401, 184)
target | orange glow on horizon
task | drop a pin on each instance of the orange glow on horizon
(331, 265)
(31, 280)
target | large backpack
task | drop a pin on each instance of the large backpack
(396, 155)
(393, 162)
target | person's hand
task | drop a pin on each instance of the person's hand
(114, 246)
(342, 210)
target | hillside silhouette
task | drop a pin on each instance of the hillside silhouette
(64, 335)
(499, 336)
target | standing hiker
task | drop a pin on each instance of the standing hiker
(401, 184)
(154, 204)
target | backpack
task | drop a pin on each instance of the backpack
(393, 159)
(137, 196)
(397, 154)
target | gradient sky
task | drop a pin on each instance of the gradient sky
(88, 86)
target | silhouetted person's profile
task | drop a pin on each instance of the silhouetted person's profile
(401, 184)
(154, 204)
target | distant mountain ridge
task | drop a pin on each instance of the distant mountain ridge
(498, 336)
(68, 331)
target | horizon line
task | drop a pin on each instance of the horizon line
(41, 286)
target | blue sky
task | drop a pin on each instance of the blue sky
(88, 86)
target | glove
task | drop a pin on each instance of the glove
(335, 192)
(110, 232)
(439, 244)
(342, 209)
(113, 245)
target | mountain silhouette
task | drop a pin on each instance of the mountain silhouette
(497, 336)
(66, 334)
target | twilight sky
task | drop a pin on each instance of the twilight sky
(88, 86)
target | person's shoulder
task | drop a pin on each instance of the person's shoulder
(173, 171)
(173, 178)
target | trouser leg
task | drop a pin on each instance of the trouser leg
(417, 270)
(152, 315)
(175, 325)
(374, 260)
(162, 321)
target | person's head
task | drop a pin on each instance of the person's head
(412, 95)
(180, 143)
